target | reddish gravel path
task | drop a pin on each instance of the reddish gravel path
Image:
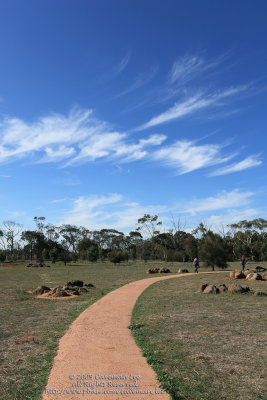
(99, 346)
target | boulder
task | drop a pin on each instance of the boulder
(41, 290)
(264, 276)
(260, 269)
(211, 289)
(253, 277)
(247, 271)
(239, 275)
(234, 288)
(203, 286)
(60, 293)
(182, 271)
(75, 283)
(164, 270)
(232, 274)
(83, 290)
(246, 289)
(89, 285)
(222, 288)
(260, 293)
(152, 270)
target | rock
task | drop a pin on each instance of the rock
(253, 277)
(83, 290)
(182, 271)
(75, 283)
(211, 289)
(222, 288)
(232, 274)
(29, 265)
(89, 285)
(203, 286)
(60, 293)
(152, 270)
(260, 269)
(239, 275)
(246, 289)
(246, 272)
(54, 290)
(234, 288)
(260, 294)
(164, 270)
(264, 276)
(41, 290)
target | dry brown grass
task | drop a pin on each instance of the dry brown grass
(213, 345)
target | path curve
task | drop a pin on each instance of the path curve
(99, 343)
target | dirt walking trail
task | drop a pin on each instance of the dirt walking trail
(98, 358)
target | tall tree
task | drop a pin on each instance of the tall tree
(35, 243)
(71, 235)
(39, 223)
(212, 250)
(11, 230)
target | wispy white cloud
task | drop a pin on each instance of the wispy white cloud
(122, 64)
(115, 211)
(231, 216)
(223, 200)
(141, 80)
(249, 162)
(107, 211)
(58, 201)
(193, 104)
(5, 176)
(186, 156)
(77, 137)
(188, 67)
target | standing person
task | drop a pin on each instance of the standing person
(243, 262)
(196, 264)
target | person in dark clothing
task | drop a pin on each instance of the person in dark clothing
(243, 262)
(196, 264)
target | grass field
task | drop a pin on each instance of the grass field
(204, 346)
(31, 327)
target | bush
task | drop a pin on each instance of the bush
(2, 255)
(116, 257)
(212, 250)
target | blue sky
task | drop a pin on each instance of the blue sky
(110, 109)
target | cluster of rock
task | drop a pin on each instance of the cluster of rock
(234, 288)
(158, 271)
(37, 265)
(249, 275)
(74, 287)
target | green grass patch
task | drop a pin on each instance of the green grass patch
(203, 347)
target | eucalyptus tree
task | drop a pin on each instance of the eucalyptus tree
(149, 225)
(35, 243)
(249, 238)
(71, 235)
(11, 230)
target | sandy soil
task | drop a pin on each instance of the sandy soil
(98, 355)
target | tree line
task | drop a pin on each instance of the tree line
(69, 243)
